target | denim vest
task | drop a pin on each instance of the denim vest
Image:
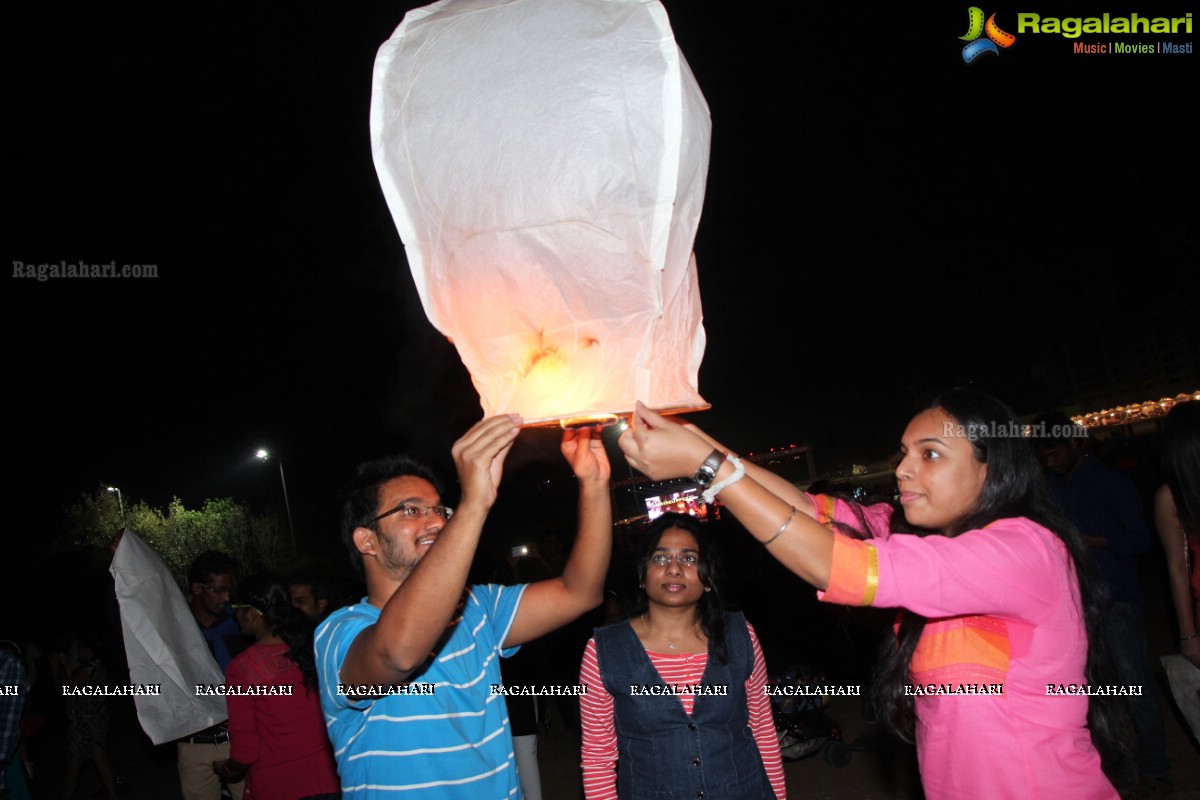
(663, 753)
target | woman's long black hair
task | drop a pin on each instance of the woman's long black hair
(1014, 487)
(710, 569)
(1181, 462)
(268, 593)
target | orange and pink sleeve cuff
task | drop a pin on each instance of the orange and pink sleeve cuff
(854, 575)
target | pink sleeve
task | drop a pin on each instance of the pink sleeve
(854, 574)
(876, 517)
(1002, 570)
(599, 749)
(244, 740)
(762, 722)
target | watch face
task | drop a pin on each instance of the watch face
(708, 470)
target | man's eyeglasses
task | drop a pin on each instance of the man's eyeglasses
(682, 559)
(409, 510)
(218, 590)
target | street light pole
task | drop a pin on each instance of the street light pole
(120, 502)
(263, 455)
(288, 507)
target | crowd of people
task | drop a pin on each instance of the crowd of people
(1010, 562)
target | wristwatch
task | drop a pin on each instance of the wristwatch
(708, 470)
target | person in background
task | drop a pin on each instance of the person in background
(278, 741)
(211, 582)
(524, 668)
(12, 701)
(309, 595)
(529, 666)
(87, 716)
(1106, 508)
(33, 718)
(1177, 517)
(998, 591)
(678, 745)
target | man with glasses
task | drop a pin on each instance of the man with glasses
(423, 644)
(211, 580)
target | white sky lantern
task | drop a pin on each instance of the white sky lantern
(545, 161)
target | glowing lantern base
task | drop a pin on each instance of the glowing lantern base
(592, 421)
(607, 420)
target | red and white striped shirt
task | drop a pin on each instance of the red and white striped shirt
(600, 734)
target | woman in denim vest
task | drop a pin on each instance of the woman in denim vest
(675, 705)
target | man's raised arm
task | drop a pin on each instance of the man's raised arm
(550, 604)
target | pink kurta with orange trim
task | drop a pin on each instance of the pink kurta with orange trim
(1003, 609)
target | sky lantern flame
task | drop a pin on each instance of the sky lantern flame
(545, 163)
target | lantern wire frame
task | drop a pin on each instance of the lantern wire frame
(607, 420)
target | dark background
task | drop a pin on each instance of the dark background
(880, 219)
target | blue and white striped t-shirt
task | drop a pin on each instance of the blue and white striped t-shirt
(448, 739)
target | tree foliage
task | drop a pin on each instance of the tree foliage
(179, 534)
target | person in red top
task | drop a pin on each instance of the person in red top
(675, 702)
(275, 723)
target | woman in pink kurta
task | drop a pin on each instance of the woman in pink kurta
(1002, 618)
(987, 669)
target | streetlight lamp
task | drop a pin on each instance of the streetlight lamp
(120, 502)
(263, 455)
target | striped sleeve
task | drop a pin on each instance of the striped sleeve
(762, 722)
(330, 645)
(505, 604)
(599, 751)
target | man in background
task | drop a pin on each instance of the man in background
(309, 595)
(211, 581)
(1105, 506)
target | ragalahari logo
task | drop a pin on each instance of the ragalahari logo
(976, 27)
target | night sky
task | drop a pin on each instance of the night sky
(880, 219)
